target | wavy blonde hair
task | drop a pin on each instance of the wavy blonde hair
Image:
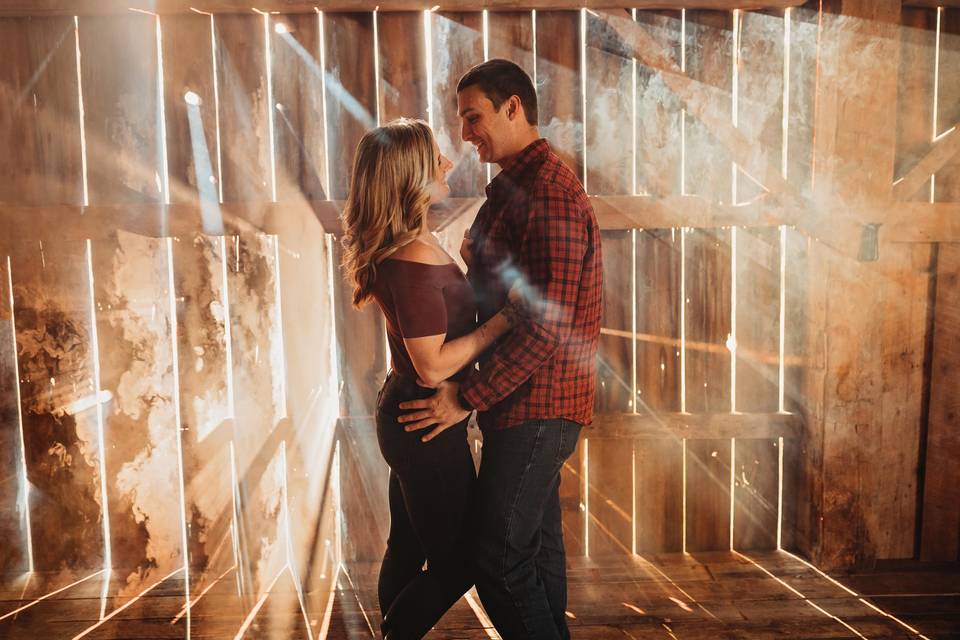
(389, 196)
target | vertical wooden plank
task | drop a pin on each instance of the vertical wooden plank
(940, 536)
(351, 112)
(709, 57)
(52, 311)
(511, 37)
(915, 89)
(259, 401)
(572, 502)
(611, 496)
(298, 107)
(658, 117)
(708, 495)
(41, 116)
(403, 65)
(707, 319)
(802, 99)
(456, 45)
(559, 89)
(244, 112)
(205, 403)
(756, 488)
(121, 108)
(659, 492)
(658, 320)
(135, 336)
(758, 319)
(193, 158)
(799, 323)
(14, 526)
(948, 93)
(615, 356)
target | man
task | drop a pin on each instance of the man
(535, 390)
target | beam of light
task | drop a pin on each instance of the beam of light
(216, 109)
(936, 77)
(583, 92)
(633, 501)
(486, 56)
(780, 493)
(333, 346)
(38, 72)
(633, 320)
(101, 439)
(781, 360)
(291, 556)
(338, 537)
(237, 555)
(683, 320)
(47, 596)
(481, 615)
(162, 117)
(816, 100)
(857, 596)
(227, 335)
(125, 606)
(733, 485)
(735, 98)
(186, 608)
(178, 425)
(356, 595)
(683, 510)
(941, 136)
(732, 343)
(803, 597)
(785, 109)
(586, 496)
(25, 481)
(323, 102)
(83, 128)
(533, 26)
(428, 42)
(376, 61)
(268, 60)
(256, 607)
(210, 214)
(328, 611)
(633, 119)
(283, 353)
(683, 111)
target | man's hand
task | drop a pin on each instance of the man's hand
(441, 409)
(466, 249)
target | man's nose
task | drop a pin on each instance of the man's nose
(464, 131)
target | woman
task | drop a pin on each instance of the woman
(392, 258)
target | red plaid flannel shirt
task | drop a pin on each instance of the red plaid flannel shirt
(538, 224)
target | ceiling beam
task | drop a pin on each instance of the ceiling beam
(103, 7)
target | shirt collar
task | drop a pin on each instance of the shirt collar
(516, 170)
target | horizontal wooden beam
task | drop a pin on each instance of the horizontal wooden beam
(932, 4)
(899, 222)
(659, 426)
(941, 152)
(104, 7)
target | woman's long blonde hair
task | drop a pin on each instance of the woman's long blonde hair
(389, 196)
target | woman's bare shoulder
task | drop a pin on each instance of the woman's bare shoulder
(421, 252)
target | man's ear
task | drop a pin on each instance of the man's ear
(513, 107)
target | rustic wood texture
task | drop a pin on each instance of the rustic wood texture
(615, 356)
(193, 158)
(802, 83)
(40, 118)
(708, 280)
(948, 108)
(121, 109)
(558, 85)
(658, 469)
(511, 37)
(676, 426)
(298, 107)
(659, 114)
(708, 495)
(403, 87)
(757, 277)
(756, 492)
(611, 518)
(457, 45)
(940, 536)
(658, 320)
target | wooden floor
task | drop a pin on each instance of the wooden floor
(754, 596)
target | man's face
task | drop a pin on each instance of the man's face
(482, 125)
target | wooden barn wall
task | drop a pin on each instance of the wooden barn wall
(170, 387)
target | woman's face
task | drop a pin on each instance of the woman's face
(439, 189)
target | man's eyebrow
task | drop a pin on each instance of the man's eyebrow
(466, 111)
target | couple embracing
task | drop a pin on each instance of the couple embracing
(528, 310)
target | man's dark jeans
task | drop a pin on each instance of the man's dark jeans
(520, 564)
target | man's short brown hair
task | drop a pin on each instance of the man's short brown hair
(499, 79)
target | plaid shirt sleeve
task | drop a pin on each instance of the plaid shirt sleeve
(550, 258)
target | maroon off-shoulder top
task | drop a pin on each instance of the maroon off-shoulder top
(419, 299)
